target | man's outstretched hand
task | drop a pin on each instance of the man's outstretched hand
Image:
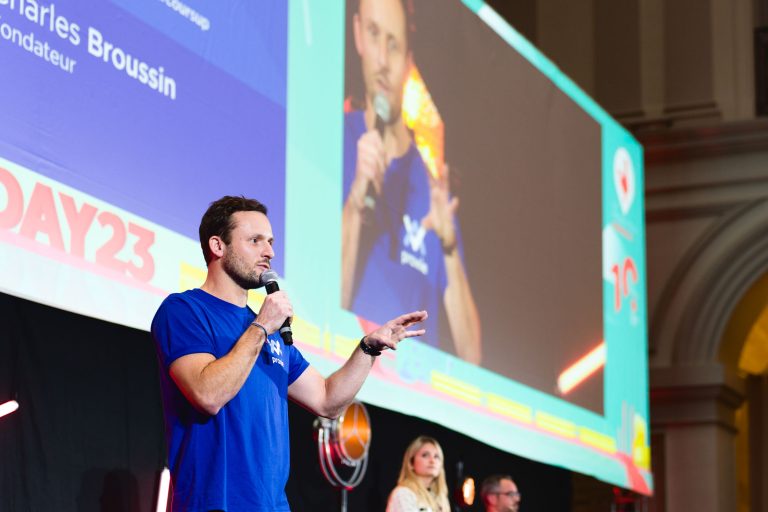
(396, 330)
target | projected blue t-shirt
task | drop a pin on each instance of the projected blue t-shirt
(239, 458)
(401, 267)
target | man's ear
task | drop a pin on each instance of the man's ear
(216, 245)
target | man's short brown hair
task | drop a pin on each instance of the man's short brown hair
(217, 220)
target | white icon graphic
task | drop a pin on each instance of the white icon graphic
(274, 347)
(414, 235)
(624, 179)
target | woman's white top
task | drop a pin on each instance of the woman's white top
(402, 499)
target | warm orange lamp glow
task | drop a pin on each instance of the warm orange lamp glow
(354, 432)
(468, 491)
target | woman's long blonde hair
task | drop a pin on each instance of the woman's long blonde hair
(436, 495)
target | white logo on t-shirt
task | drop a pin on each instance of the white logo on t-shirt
(414, 240)
(414, 235)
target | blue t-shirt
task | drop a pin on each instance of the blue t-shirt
(239, 459)
(401, 267)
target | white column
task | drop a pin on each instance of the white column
(693, 407)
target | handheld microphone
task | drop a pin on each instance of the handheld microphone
(382, 110)
(268, 279)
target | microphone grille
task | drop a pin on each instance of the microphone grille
(268, 276)
(381, 106)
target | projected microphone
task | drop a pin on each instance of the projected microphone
(382, 110)
(268, 279)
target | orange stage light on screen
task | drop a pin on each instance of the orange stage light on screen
(8, 407)
(421, 116)
(582, 369)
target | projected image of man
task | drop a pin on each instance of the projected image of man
(400, 239)
(226, 371)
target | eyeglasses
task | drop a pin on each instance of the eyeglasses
(508, 494)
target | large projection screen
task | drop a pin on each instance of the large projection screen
(121, 120)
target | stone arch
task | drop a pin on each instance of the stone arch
(709, 283)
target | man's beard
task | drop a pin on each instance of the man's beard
(239, 273)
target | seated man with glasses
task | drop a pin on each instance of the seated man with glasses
(499, 494)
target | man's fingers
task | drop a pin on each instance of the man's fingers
(441, 181)
(454, 205)
(412, 334)
(391, 333)
(411, 318)
(427, 223)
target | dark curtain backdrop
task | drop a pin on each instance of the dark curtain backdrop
(88, 434)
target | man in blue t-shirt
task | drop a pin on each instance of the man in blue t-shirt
(226, 373)
(400, 241)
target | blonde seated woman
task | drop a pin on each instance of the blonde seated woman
(421, 486)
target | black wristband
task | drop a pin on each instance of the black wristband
(366, 348)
